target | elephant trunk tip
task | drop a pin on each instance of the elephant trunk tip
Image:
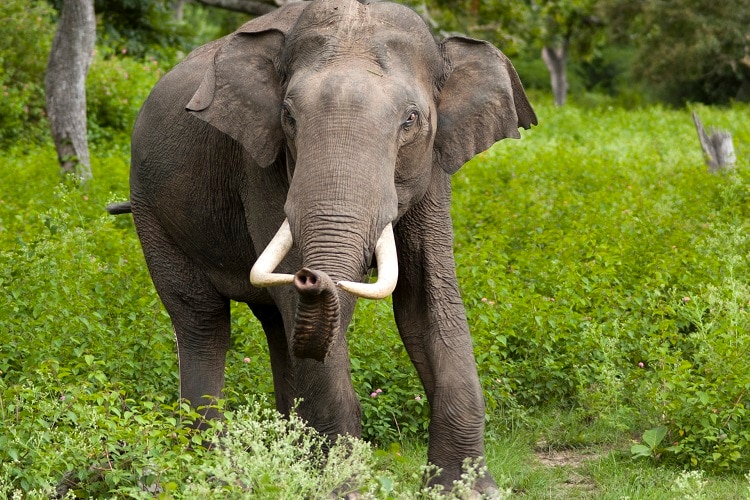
(309, 282)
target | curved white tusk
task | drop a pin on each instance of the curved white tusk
(385, 253)
(262, 275)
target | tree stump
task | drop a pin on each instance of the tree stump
(718, 149)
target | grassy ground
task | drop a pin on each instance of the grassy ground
(605, 276)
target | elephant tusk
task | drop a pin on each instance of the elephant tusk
(262, 275)
(385, 253)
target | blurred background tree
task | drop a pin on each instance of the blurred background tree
(65, 86)
(674, 51)
(686, 50)
(25, 40)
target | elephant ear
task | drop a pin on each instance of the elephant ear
(481, 102)
(240, 94)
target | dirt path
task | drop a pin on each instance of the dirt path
(566, 465)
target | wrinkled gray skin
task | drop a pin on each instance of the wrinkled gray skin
(341, 117)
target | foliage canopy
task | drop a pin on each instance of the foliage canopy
(688, 50)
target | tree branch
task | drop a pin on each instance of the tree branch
(252, 7)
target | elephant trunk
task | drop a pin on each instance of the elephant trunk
(317, 324)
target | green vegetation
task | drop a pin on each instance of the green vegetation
(605, 276)
(604, 271)
(24, 47)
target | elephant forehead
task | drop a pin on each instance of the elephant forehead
(341, 88)
(389, 35)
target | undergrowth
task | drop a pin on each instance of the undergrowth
(605, 277)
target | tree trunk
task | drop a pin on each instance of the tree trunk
(718, 149)
(555, 58)
(179, 9)
(65, 85)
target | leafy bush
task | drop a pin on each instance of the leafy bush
(25, 40)
(107, 445)
(267, 456)
(116, 87)
(87, 439)
(394, 406)
(64, 290)
(576, 248)
(701, 376)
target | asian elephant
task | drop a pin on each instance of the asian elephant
(277, 165)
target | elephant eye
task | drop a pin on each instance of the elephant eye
(411, 120)
(287, 118)
(286, 114)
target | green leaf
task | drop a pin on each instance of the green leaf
(386, 484)
(640, 450)
(654, 436)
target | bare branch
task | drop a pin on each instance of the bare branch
(252, 7)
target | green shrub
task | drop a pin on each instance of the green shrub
(575, 249)
(115, 90)
(394, 406)
(699, 376)
(88, 439)
(65, 293)
(25, 40)
(267, 456)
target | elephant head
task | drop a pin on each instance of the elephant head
(363, 108)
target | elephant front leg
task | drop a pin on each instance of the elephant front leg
(442, 353)
(432, 322)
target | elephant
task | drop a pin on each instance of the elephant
(283, 164)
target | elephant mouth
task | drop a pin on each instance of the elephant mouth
(317, 322)
(262, 275)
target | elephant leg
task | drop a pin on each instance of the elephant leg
(281, 365)
(199, 314)
(432, 322)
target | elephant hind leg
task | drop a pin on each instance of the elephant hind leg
(281, 364)
(199, 314)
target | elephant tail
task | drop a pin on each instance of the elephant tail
(120, 208)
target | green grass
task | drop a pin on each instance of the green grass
(605, 275)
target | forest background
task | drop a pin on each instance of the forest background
(612, 329)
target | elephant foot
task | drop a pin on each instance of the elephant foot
(481, 485)
(490, 492)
